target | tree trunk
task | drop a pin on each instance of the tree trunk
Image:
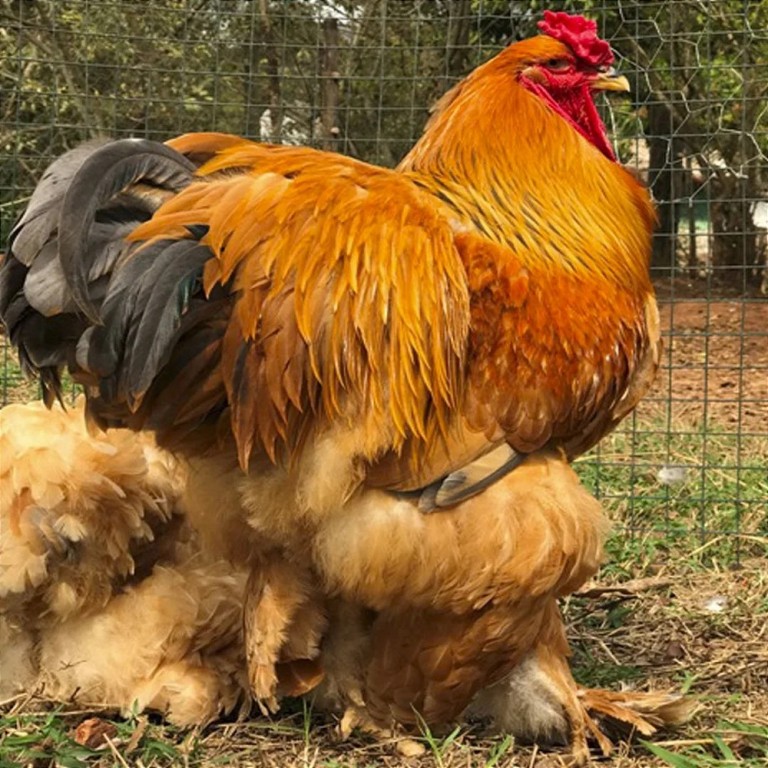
(665, 178)
(273, 73)
(734, 235)
(253, 105)
(457, 43)
(330, 90)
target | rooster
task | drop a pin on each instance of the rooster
(377, 377)
(105, 598)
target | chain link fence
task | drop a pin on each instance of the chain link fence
(358, 77)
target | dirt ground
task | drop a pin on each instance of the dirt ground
(715, 362)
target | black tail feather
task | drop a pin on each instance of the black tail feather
(129, 320)
(142, 314)
(107, 173)
(40, 220)
(65, 249)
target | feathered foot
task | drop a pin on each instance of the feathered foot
(615, 714)
(540, 702)
(187, 693)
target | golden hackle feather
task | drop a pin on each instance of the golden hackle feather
(527, 180)
(201, 147)
(343, 274)
(555, 244)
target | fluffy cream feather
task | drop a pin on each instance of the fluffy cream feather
(76, 510)
(105, 598)
(110, 599)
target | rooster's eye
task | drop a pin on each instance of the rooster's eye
(557, 65)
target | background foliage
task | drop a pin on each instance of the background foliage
(358, 76)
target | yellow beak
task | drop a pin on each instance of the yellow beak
(609, 81)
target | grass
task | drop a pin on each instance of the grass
(42, 738)
(15, 387)
(732, 744)
(680, 491)
(37, 739)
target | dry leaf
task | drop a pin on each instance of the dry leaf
(94, 732)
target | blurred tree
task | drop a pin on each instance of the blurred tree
(701, 86)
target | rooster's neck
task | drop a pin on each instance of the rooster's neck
(519, 174)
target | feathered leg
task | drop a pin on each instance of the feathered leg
(284, 621)
(539, 701)
(622, 711)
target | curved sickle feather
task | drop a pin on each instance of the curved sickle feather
(107, 172)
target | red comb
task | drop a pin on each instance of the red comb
(578, 33)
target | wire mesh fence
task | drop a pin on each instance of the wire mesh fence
(358, 77)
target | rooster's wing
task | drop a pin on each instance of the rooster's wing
(282, 289)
